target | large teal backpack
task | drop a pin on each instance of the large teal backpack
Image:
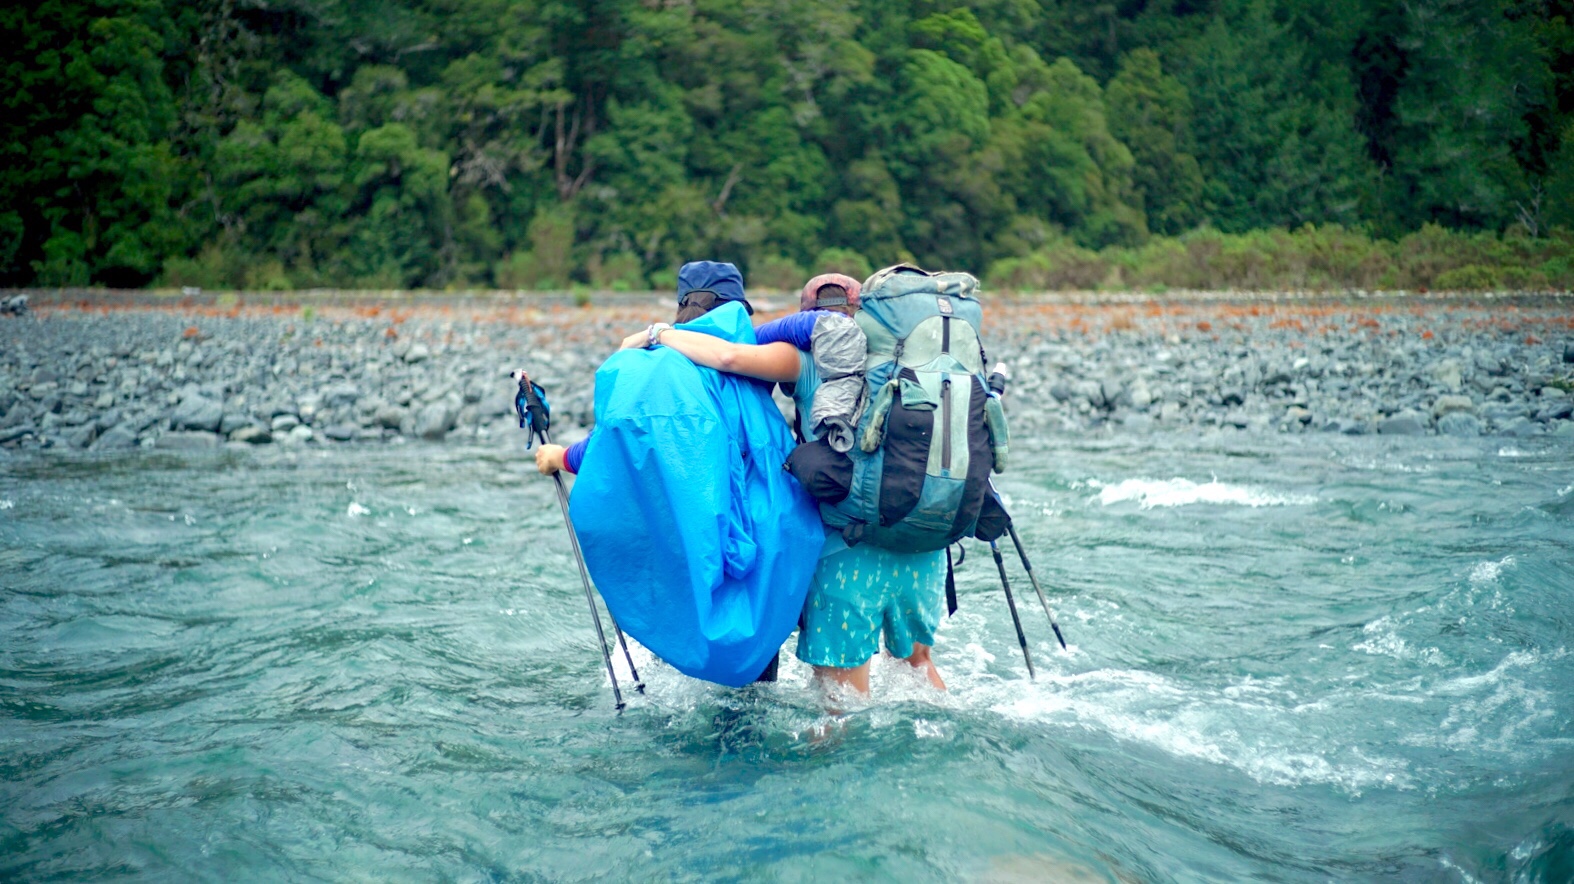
(931, 432)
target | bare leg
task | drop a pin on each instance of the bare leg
(920, 659)
(832, 680)
(856, 678)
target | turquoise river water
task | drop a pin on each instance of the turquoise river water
(1304, 658)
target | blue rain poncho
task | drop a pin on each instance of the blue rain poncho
(701, 544)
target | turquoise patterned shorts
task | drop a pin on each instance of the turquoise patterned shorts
(859, 592)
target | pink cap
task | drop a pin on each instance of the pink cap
(809, 299)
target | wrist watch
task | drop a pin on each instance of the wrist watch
(653, 334)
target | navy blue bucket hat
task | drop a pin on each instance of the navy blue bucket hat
(719, 278)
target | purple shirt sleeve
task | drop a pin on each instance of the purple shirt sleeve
(574, 455)
(797, 330)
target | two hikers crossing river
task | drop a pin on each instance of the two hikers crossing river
(713, 530)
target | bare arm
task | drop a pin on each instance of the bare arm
(766, 362)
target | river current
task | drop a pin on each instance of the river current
(1292, 658)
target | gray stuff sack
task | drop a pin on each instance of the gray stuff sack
(839, 349)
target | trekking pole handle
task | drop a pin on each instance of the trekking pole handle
(534, 413)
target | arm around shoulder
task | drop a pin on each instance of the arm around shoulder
(766, 362)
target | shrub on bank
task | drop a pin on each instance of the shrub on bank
(1309, 258)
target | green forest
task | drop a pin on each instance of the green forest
(551, 144)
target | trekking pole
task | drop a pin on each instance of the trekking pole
(1028, 567)
(535, 416)
(544, 434)
(998, 379)
(1011, 526)
(1005, 584)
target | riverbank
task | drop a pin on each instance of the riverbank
(122, 371)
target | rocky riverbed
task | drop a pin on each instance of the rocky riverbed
(95, 375)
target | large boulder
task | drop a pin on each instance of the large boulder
(233, 421)
(342, 395)
(197, 412)
(391, 416)
(1141, 397)
(1405, 423)
(117, 437)
(307, 406)
(1113, 393)
(1448, 374)
(1555, 409)
(1518, 426)
(188, 440)
(252, 434)
(1450, 404)
(435, 420)
(81, 436)
(1459, 423)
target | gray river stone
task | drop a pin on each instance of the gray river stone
(197, 412)
(343, 395)
(1459, 423)
(1557, 409)
(81, 437)
(252, 434)
(233, 421)
(117, 437)
(1448, 373)
(391, 416)
(434, 421)
(1518, 426)
(188, 440)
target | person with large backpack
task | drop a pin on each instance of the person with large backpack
(909, 478)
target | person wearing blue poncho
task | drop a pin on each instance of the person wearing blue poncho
(860, 594)
(696, 537)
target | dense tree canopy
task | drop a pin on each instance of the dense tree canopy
(548, 143)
